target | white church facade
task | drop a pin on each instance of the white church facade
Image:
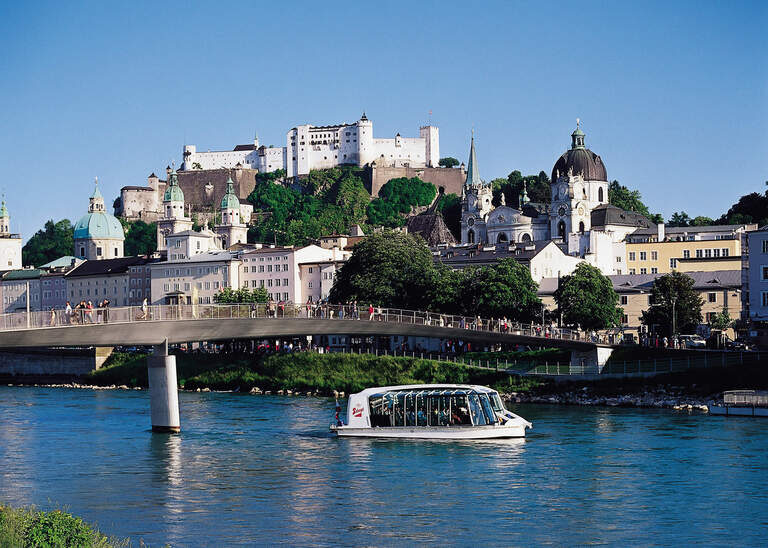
(578, 217)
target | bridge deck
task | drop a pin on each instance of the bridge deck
(188, 323)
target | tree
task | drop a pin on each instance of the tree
(721, 321)
(140, 237)
(389, 269)
(448, 162)
(586, 298)
(227, 295)
(537, 187)
(396, 198)
(701, 221)
(504, 289)
(679, 219)
(673, 293)
(53, 241)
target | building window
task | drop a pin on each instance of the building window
(624, 299)
(618, 259)
(699, 253)
(309, 285)
(710, 316)
(269, 283)
(643, 271)
(98, 252)
(708, 253)
(277, 282)
(712, 297)
(654, 270)
(724, 251)
(285, 268)
(686, 253)
(310, 270)
(624, 319)
(631, 270)
(715, 253)
(643, 255)
(673, 263)
(765, 249)
(654, 255)
(632, 255)
(764, 295)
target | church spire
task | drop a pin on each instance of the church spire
(473, 175)
(577, 137)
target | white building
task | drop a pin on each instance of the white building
(291, 274)
(10, 244)
(310, 147)
(189, 243)
(194, 279)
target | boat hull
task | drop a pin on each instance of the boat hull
(434, 433)
(738, 411)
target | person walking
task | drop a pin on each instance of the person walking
(53, 318)
(105, 306)
(143, 309)
(89, 312)
(68, 313)
(370, 312)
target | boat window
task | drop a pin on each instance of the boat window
(496, 402)
(410, 409)
(478, 418)
(488, 409)
(421, 410)
(381, 413)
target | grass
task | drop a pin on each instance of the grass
(304, 371)
(29, 527)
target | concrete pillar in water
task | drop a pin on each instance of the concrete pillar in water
(163, 391)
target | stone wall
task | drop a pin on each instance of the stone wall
(203, 189)
(49, 361)
(449, 179)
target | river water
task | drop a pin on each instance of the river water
(263, 469)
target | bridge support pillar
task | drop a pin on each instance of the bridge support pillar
(163, 390)
(590, 361)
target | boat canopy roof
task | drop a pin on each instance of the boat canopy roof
(429, 390)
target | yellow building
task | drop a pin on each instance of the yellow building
(719, 290)
(691, 249)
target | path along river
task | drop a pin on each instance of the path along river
(263, 469)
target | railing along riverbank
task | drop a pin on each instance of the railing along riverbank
(161, 313)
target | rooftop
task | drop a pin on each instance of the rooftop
(209, 257)
(106, 267)
(690, 229)
(643, 283)
(23, 274)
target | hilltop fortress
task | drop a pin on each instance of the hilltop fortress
(204, 175)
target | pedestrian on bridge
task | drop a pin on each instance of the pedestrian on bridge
(143, 309)
(68, 313)
(53, 318)
(370, 312)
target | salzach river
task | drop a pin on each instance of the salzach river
(263, 469)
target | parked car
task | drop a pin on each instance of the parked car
(693, 341)
(739, 345)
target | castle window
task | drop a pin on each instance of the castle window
(526, 238)
(98, 252)
(581, 227)
(561, 230)
(502, 238)
(471, 236)
(600, 194)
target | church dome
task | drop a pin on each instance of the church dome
(173, 193)
(230, 199)
(580, 161)
(99, 225)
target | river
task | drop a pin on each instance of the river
(263, 469)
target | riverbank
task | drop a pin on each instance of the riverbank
(32, 527)
(336, 375)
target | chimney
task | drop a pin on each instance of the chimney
(660, 232)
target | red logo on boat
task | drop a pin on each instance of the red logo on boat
(357, 411)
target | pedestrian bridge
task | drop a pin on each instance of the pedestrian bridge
(161, 325)
(132, 326)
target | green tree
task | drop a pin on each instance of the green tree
(504, 289)
(389, 269)
(449, 206)
(701, 221)
(673, 292)
(721, 321)
(628, 200)
(227, 295)
(140, 237)
(396, 198)
(449, 161)
(53, 241)
(586, 298)
(679, 219)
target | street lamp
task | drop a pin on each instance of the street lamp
(674, 301)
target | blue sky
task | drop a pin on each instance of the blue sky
(673, 95)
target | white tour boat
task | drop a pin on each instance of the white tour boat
(432, 411)
(743, 403)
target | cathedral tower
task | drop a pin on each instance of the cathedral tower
(98, 235)
(173, 220)
(231, 230)
(476, 197)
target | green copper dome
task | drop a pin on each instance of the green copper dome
(173, 193)
(99, 225)
(230, 199)
(3, 211)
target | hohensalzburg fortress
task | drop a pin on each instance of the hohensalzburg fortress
(310, 147)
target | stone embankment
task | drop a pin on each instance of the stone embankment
(658, 400)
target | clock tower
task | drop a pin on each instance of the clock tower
(476, 197)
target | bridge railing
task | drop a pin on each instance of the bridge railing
(129, 314)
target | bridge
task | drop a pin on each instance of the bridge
(161, 325)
